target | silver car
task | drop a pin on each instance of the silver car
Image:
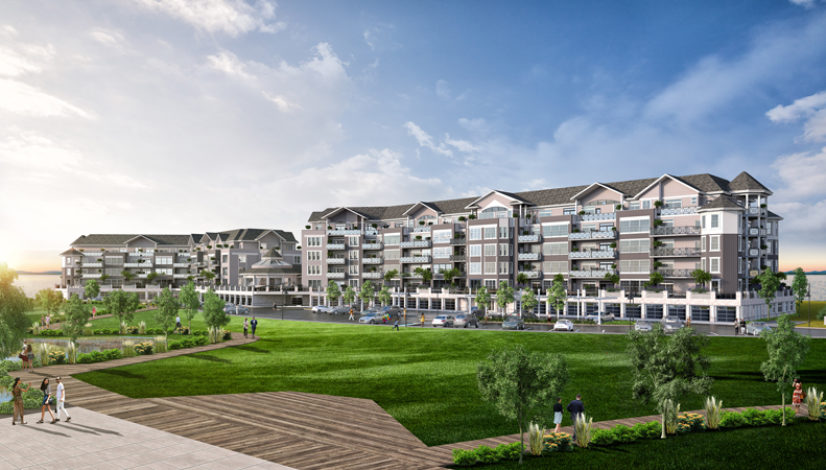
(642, 326)
(564, 325)
(370, 318)
(321, 309)
(673, 324)
(756, 328)
(464, 320)
(443, 320)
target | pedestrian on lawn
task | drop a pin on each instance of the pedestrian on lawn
(178, 322)
(558, 413)
(422, 319)
(48, 320)
(798, 395)
(576, 408)
(47, 396)
(246, 326)
(351, 314)
(94, 312)
(396, 325)
(61, 401)
(253, 325)
(24, 356)
(17, 400)
(30, 355)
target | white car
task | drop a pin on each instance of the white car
(642, 326)
(564, 325)
(443, 320)
(673, 324)
(321, 309)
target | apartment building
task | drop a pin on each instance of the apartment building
(252, 258)
(600, 237)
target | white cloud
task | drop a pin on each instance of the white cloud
(233, 17)
(280, 102)
(107, 37)
(804, 174)
(20, 98)
(228, 63)
(461, 145)
(425, 140)
(812, 108)
(804, 3)
(24, 59)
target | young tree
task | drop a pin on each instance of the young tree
(390, 275)
(667, 368)
(654, 279)
(167, 310)
(450, 275)
(701, 277)
(349, 295)
(122, 305)
(529, 301)
(190, 302)
(787, 349)
(504, 296)
(367, 293)
(127, 275)
(92, 289)
(13, 304)
(208, 275)
(768, 288)
(214, 314)
(333, 292)
(151, 277)
(49, 300)
(800, 285)
(557, 294)
(483, 299)
(77, 314)
(384, 296)
(426, 274)
(612, 278)
(521, 279)
(521, 384)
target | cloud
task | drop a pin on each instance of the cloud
(228, 63)
(425, 140)
(24, 59)
(232, 17)
(443, 90)
(109, 38)
(280, 102)
(20, 98)
(461, 145)
(812, 108)
(804, 3)
(803, 174)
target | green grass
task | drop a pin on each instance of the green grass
(799, 446)
(425, 377)
(148, 316)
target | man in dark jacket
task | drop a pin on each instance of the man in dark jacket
(576, 408)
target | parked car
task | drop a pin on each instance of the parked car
(443, 320)
(513, 323)
(605, 317)
(340, 310)
(242, 310)
(321, 309)
(371, 318)
(642, 326)
(464, 320)
(756, 328)
(564, 325)
(673, 324)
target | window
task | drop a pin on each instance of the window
(504, 249)
(504, 232)
(505, 267)
(392, 240)
(555, 267)
(442, 252)
(704, 222)
(475, 268)
(714, 243)
(490, 249)
(392, 254)
(475, 233)
(313, 255)
(439, 268)
(634, 205)
(640, 245)
(490, 267)
(111, 260)
(694, 200)
(568, 211)
(714, 265)
(353, 269)
(493, 213)
(442, 236)
(555, 230)
(475, 250)
(313, 241)
(353, 254)
(224, 258)
(673, 203)
(646, 204)
(703, 264)
(641, 266)
(558, 248)
(703, 240)
(715, 220)
(490, 283)
(545, 213)
(490, 232)
(163, 260)
(635, 225)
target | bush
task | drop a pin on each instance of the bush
(51, 332)
(713, 408)
(111, 354)
(508, 451)
(464, 458)
(173, 345)
(813, 404)
(649, 430)
(201, 341)
(227, 335)
(200, 333)
(144, 348)
(755, 417)
(561, 441)
(603, 437)
(485, 454)
(694, 421)
(776, 416)
(732, 419)
(584, 428)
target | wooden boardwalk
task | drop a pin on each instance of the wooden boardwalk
(300, 430)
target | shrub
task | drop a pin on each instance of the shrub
(535, 441)
(173, 345)
(603, 437)
(51, 332)
(694, 421)
(509, 451)
(71, 352)
(583, 430)
(649, 430)
(755, 417)
(111, 354)
(464, 458)
(200, 333)
(485, 454)
(776, 416)
(187, 343)
(562, 441)
(160, 344)
(227, 335)
(813, 401)
(142, 327)
(201, 341)
(144, 348)
(713, 409)
(732, 419)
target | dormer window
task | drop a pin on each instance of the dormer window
(495, 212)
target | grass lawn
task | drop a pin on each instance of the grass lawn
(799, 446)
(148, 316)
(803, 314)
(425, 378)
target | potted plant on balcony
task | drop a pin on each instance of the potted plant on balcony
(658, 222)
(618, 207)
(763, 206)
(421, 222)
(462, 218)
(575, 230)
(472, 216)
(418, 237)
(581, 212)
(658, 204)
(307, 227)
(613, 244)
(658, 243)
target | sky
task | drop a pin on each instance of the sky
(174, 116)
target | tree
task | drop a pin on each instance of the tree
(504, 295)
(701, 277)
(333, 292)
(367, 293)
(483, 299)
(167, 310)
(557, 294)
(77, 314)
(127, 275)
(787, 349)
(122, 305)
(654, 279)
(349, 295)
(521, 384)
(800, 286)
(521, 279)
(92, 289)
(151, 277)
(613, 278)
(190, 302)
(13, 304)
(529, 301)
(384, 296)
(49, 300)
(214, 314)
(390, 275)
(768, 288)
(450, 275)
(426, 274)
(667, 368)
(208, 275)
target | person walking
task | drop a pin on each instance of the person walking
(558, 413)
(422, 319)
(48, 320)
(351, 314)
(94, 312)
(396, 325)
(798, 395)
(17, 400)
(246, 326)
(253, 325)
(47, 396)
(178, 322)
(24, 356)
(61, 401)
(30, 355)
(576, 408)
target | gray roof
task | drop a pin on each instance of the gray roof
(96, 239)
(71, 251)
(746, 182)
(722, 202)
(288, 236)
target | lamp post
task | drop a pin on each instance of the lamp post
(405, 306)
(809, 294)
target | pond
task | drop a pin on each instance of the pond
(5, 395)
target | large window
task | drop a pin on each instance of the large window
(392, 240)
(640, 266)
(490, 233)
(391, 254)
(475, 250)
(442, 252)
(673, 203)
(313, 255)
(555, 267)
(490, 267)
(714, 265)
(505, 267)
(475, 233)
(558, 248)
(640, 245)
(714, 243)
(313, 241)
(494, 212)
(442, 236)
(490, 249)
(555, 230)
(635, 225)
(715, 220)
(504, 249)
(504, 232)
(475, 268)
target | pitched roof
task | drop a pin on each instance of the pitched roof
(95, 239)
(288, 236)
(722, 202)
(746, 182)
(70, 251)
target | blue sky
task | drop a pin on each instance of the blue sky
(174, 116)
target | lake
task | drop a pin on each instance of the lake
(31, 283)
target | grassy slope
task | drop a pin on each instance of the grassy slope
(426, 379)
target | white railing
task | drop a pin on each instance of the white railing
(180, 265)
(415, 259)
(92, 275)
(344, 232)
(415, 244)
(335, 246)
(531, 274)
(592, 254)
(678, 230)
(675, 252)
(594, 217)
(532, 238)
(753, 252)
(335, 260)
(371, 246)
(421, 229)
(181, 275)
(754, 231)
(529, 256)
(134, 265)
(335, 275)
(92, 265)
(371, 261)
(678, 211)
(372, 275)
(592, 234)
(590, 273)
(686, 273)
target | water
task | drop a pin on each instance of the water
(5, 395)
(31, 283)
(817, 283)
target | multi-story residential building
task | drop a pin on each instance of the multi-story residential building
(598, 237)
(249, 259)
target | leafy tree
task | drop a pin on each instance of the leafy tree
(483, 299)
(208, 275)
(367, 293)
(333, 292)
(521, 384)
(450, 275)
(557, 294)
(654, 279)
(13, 304)
(768, 288)
(521, 279)
(214, 314)
(667, 368)
(127, 275)
(92, 289)
(122, 305)
(190, 302)
(787, 349)
(612, 278)
(701, 277)
(504, 295)
(390, 275)
(77, 314)
(167, 310)
(800, 285)
(151, 277)
(529, 301)
(349, 295)
(384, 296)
(49, 300)
(426, 274)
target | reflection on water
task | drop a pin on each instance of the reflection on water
(5, 395)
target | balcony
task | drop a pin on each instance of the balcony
(592, 254)
(180, 265)
(754, 252)
(92, 275)
(532, 238)
(375, 275)
(421, 229)
(678, 211)
(753, 232)
(181, 275)
(593, 235)
(371, 231)
(675, 273)
(590, 273)
(346, 232)
(335, 246)
(335, 275)
(677, 230)
(457, 241)
(135, 265)
(531, 274)
(415, 259)
(92, 265)
(335, 260)
(674, 252)
(375, 260)
(597, 217)
(371, 246)
(415, 244)
(756, 211)
(457, 258)
(529, 256)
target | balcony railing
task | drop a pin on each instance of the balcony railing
(180, 265)
(593, 235)
(335, 260)
(595, 217)
(415, 259)
(415, 244)
(675, 252)
(590, 273)
(678, 211)
(376, 260)
(753, 232)
(371, 275)
(592, 254)
(136, 265)
(371, 246)
(457, 241)
(754, 252)
(676, 273)
(92, 275)
(371, 231)
(532, 238)
(677, 230)
(421, 229)
(531, 274)
(529, 256)
(755, 211)
(457, 258)
(181, 275)
(344, 232)
(335, 246)
(92, 265)
(335, 275)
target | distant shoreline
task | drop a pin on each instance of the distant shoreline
(41, 273)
